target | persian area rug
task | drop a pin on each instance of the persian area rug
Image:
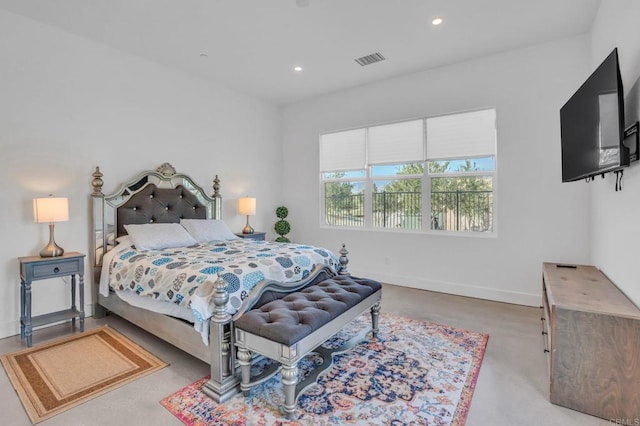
(56, 376)
(415, 373)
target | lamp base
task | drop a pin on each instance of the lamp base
(247, 229)
(52, 249)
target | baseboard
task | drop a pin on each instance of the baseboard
(486, 293)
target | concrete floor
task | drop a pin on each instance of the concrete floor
(512, 388)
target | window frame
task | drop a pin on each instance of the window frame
(425, 177)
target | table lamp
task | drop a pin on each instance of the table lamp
(51, 210)
(247, 206)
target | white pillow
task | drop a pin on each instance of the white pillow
(204, 230)
(158, 236)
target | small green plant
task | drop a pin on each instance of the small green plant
(282, 227)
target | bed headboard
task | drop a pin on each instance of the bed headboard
(153, 196)
(159, 205)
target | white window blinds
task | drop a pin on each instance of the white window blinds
(396, 143)
(466, 135)
(343, 151)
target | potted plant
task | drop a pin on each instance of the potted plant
(282, 227)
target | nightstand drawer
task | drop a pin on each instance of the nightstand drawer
(69, 267)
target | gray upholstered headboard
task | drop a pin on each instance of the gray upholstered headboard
(159, 205)
(154, 196)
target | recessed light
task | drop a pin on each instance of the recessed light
(437, 21)
(297, 69)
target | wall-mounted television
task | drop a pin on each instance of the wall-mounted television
(592, 125)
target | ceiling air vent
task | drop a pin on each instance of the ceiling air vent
(370, 59)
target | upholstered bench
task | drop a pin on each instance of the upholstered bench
(287, 329)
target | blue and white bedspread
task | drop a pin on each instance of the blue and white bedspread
(174, 275)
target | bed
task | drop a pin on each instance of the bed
(189, 293)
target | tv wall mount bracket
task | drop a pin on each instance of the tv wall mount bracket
(632, 131)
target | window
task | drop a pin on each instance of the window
(397, 196)
(431, 174)
(344, 198)
(461, 170)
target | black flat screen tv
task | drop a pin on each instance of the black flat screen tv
(592, 125)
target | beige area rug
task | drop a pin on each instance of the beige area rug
(62, 374)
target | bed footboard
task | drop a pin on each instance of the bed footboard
(224, 382)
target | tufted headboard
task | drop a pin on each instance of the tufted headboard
(154, 196)
(159, 205)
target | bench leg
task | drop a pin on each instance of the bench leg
(244, 359)
(375, 313)
(289, 381)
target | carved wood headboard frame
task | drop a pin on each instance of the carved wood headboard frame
(153, 196)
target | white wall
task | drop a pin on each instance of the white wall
(615, 215)
(68, 104)
(539, 218)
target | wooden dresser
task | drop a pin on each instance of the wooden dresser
(592, 338)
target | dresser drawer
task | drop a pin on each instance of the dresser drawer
(68, 267)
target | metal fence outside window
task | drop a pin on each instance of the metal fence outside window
(345, 210)
(397, 210)
(470, 211)
(462, 211)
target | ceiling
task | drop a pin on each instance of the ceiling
(253, 45)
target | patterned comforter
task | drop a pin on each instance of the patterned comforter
(174, 275)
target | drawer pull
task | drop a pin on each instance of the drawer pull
(544, 333)
(56, 270)
(542, 319)
(546, 351)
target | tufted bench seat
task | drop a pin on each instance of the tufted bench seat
(287, 329)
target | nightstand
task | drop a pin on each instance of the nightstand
(258, 236)
(34, 268)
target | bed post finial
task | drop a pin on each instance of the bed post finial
(217, 199)
(166, 169)
(97, 182)
(344, 260)
(220, 299)
(216, 187)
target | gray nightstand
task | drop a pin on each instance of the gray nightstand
(259, 236)
(39, 268)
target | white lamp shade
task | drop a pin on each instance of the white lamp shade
(50, 209)
(247, 206)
